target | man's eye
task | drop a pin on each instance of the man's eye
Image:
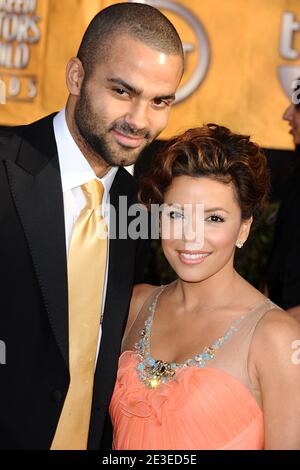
(121, 91)
(215, 218)
(160, 103)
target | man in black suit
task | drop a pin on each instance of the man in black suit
(121, 87)
(283, 277)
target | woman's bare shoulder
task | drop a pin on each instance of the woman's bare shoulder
(277, 343)
(140, 293)
(275, 336)
(278, 322)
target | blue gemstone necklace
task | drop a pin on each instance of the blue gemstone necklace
(152, 372)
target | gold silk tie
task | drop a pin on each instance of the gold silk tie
(86, 272)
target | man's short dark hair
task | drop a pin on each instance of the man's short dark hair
(139, 21)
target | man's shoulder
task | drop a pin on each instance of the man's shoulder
(6, 133)
(37, 131)
(23, 129)
(9, 143)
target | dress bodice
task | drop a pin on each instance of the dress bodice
(210, 407)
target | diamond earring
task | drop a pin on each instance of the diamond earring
(239, 244)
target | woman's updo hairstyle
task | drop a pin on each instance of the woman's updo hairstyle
(215, 152)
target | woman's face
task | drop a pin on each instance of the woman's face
(200, 226)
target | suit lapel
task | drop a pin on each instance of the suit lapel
(37, 192)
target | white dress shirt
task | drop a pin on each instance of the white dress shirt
(76, 171)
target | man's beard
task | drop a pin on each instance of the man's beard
(88, 124)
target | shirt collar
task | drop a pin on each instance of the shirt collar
(74, 167)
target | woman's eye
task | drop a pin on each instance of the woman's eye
(175, 215)
(215, 218)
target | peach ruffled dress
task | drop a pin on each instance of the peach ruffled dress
(210, 408)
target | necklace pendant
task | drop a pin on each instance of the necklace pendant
(156, 373)
(153, 382)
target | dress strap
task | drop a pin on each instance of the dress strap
(234, 359)
(151, 299)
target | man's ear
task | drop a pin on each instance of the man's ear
(75, 76)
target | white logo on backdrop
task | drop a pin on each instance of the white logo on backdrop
(288, 73)
(202, 45)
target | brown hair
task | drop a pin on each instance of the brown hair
(212, 151)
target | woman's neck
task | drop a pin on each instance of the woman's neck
(210, 294)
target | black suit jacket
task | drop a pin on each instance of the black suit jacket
(33, 298)
(283, 276)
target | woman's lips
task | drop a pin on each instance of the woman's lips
(193, 257)
(127, 141)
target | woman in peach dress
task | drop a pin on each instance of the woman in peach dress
(207, 361)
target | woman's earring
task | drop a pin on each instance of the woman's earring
(239, 244)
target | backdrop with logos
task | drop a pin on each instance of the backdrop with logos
(241, 58)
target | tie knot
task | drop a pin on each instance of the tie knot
(93, 191)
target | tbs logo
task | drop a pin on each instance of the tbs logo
(290, 27)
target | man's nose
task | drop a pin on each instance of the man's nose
(288, 113)
(138, 116)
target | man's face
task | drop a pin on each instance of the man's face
(292, 115)
(125, 103)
